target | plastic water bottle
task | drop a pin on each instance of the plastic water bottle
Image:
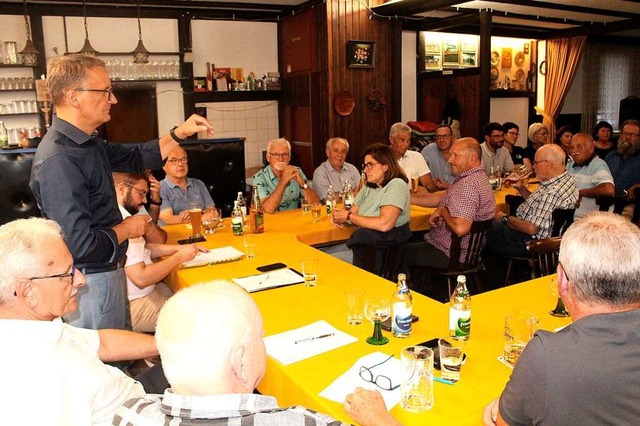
(402, 307)
(237, 219)
(4, 136)
(348, 196)
(330, 200)
(242, 204)
(257, 213)
(460, 311)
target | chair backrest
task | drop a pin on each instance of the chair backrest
(562, 219)
(544, 254)
(514, 202)
(477, 241)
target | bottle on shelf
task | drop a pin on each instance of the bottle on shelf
(4, 136)
(402, 307)
(237, 220)
(256, 213)
(330, 200)
(242, 204)
(348, 196)
(460, 311)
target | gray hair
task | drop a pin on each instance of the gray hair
(21, 248)
(552, 153)
(599, 254)
(276, 142)
(534, 128)
(398, 127)
(341, 140)
(67, 72)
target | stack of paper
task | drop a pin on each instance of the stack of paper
(306, 342)
(273, 279)
(347, 383)
(218, 255)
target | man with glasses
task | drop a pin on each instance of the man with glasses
(557, 190)
(437, 157)
(177, 190)
(494, 155)
(511, 134)
(624, 163)
(145, 289)
(411, 162)
(53, 373)
(586, 373)
(212, 379)
(71, 181)
(282, 186)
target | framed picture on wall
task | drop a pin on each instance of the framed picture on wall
(469, 59)
(451, 51)
(432, 43)
(361, 54)
(433, 61)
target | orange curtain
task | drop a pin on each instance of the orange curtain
(563, 57)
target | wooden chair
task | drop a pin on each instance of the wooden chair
(544, 256)
(472, 263)
(562, 219)
(384, 262)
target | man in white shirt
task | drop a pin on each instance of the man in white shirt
(494, 154)
(335, 171)
(412, 162)
(145, 289)
(53, 373)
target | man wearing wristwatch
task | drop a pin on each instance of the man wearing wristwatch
(282, 186)
(72, 183)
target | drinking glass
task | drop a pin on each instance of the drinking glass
(559, 311)
(355, 299)
(417, 379)
(310, 271)
(249, 245)
(305, 206)
(316, 209)
(519, 328)
(451, 352)
(377, 309)
(195, 214)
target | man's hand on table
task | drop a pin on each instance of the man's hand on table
(491, 414)
(184, 216)
(189, 251)
(338, 217)
(367, 408)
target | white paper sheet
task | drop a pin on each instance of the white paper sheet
(272, 279)
(347, 383)
(283, 346)
(217, 255)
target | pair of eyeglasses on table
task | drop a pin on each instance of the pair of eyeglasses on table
(383, 382)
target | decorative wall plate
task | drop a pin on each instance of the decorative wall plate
(519, 59)
(344, 103)
(520, 75)
(494, 73)
(495, 58)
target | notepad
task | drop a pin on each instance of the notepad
(278, 278)
(217, 255)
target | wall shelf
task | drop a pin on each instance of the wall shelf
(510, 93)
(235, 96)
(16, 66)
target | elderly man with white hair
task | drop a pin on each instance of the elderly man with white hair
(587, 373)
(214, 369)
(52, 373)
(335, 171)
(281, 186)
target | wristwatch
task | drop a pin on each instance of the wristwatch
(155, 203)
(505, 219)
(305, 186)
(175, 137)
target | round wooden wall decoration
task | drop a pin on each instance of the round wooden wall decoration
(344, 103)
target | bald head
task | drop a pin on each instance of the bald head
(549, 161)
(210, 340)
(465, 155)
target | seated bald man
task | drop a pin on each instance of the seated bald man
(52, 373)
(213, 378)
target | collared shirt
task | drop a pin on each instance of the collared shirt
(175, 198)
(591, 174)
(413, 161)
(626, 173)
(556, 193)
(231, 409)
(136, 253)
(72, 183)
(502, 159)
(326, 175)
(267, 182)
(469, 197)
(439, 166)
(394, 193)
(51, 375)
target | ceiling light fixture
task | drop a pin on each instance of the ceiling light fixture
(29, 53)
(87, 49)
(140, 54)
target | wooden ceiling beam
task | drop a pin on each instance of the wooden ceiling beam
(616, 27)
(523, 17)
(411, 7)
(569, 8)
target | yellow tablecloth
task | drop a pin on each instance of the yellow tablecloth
(482, 378)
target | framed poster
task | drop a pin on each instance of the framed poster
(433, 61)
(506, 59)
(469, 59)
(451, 51)
(361, 54)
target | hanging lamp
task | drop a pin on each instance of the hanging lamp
(140, 53)
(29, 54)
(87, 49)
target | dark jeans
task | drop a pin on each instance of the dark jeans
(506, 241)
(425, 255)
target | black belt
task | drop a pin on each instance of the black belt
(107, 268)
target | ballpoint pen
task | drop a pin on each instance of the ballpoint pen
(314, 338)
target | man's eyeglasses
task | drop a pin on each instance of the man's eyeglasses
(536, 162)
(109, 91)
(280, 155)
(514, 134)
(497, 135)
(630, 135)
(564, 271)
(142, 192)
(369, 165)
(176, 161)
(441, 137)
(383, 382)
(65, 275)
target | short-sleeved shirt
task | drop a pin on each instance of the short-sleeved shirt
(394, 193)
(176, 199)
(326, 175)
(413, 161)
(439, 167)
(518, 155)
(267, 182)
(586, 374)
(136, 253)
(626, 173)
(469, 197)
(502, 159)
(559, 192)
(591, 174)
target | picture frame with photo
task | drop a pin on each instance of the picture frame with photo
(433, 61)
(451, 51)
(469, 59)
(361, 54)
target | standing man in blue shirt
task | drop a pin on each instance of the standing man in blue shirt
(72, 183)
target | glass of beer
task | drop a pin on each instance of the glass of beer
(316, 210)
(519, 328)
(195, 214)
